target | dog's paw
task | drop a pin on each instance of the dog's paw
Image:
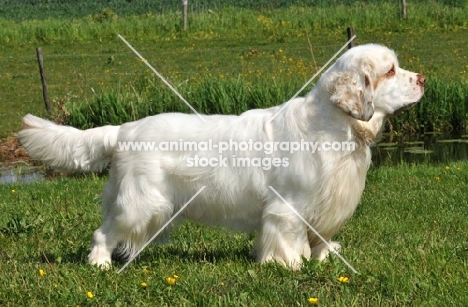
(102, 260)
(295, 265)
(321, 251)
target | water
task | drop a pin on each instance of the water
(21, 174)
(428, 149)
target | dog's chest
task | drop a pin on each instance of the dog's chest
(339, 193)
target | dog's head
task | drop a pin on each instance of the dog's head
(368, 79)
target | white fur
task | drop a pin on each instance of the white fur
(349, 103)
(66, 148)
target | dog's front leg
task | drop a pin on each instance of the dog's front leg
(282, 238)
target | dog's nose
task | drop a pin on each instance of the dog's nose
(421, 80)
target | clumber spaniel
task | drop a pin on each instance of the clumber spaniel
(146, 187)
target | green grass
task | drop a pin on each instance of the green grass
(444, 107)
(19, 10)
(84, 58)
(407, 240)
(274, 25)
(208, 95)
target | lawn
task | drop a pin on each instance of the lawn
(407, 240)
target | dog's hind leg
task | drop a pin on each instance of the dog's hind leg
(105, 238)
(127, 236)
(131, 216)
(102, 245)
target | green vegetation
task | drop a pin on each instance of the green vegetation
(408, 237)
(19, 10)
(264, 54)
(219, 96)
(273, 25)
(209, 95)
(407, 240)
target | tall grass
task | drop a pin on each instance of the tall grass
(444, 107)
(106, 24)
(208, 95)
(19, 10)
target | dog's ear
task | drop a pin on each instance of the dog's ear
(353, 94)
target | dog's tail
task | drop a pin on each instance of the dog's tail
(66, 148)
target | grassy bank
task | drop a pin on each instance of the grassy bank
(407, 240)
(86, 62)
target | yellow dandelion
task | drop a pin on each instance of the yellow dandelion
(42, 272)
(176, 277)
(437, 178)
(447, 167)
(146, 271)
(343, 279)
(313, 300)
(13, 191)
(90, 294)
(144, 285)
(170, 280)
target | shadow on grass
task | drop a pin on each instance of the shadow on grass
(80, 256)
(196, 253)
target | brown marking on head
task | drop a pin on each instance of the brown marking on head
(389, 74)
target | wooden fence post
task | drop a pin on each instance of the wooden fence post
(350, 35)
(403, 8)
(44, 84)
(185, 5)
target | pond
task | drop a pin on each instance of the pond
(24, 174)
(426, 150)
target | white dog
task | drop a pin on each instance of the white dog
(349, 105)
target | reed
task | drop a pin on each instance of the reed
(208, 95)
(444, 107)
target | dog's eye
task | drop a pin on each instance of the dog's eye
(391, 72)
